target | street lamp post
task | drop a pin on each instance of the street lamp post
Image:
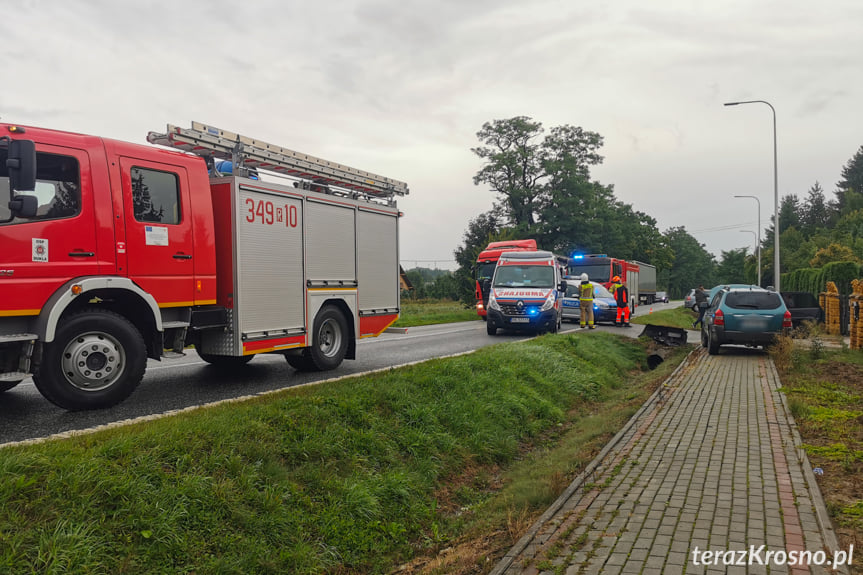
(754, 237)
(775, 192)
(758, 235)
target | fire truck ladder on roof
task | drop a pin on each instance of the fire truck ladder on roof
(251, 154)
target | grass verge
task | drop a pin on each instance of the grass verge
(490, 509)
(824, 388)
(427, 312)
(354, 476)
(676, 317)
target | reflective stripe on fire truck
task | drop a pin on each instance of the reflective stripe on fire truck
(17, 312)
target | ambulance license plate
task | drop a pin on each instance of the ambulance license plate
(519, 320)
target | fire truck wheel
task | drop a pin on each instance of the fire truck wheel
(7, 385)
(300, 362)
(226, 361)
(96, 360)
(329, 339)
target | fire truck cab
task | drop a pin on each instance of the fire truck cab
(115, 252)
(487, 261)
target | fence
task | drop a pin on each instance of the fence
(853, 308)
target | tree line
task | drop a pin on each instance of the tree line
(544, 190)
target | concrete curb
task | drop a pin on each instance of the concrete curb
(588, 471)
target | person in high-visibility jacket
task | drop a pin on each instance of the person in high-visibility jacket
(585, 302)
(621, 296)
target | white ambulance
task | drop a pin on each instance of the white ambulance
(526, 292)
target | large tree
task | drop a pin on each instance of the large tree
(513, 166)
(789, 212)
(735, 268)
(852, 180)
(816, 215)
(521, 167)
(693, 264)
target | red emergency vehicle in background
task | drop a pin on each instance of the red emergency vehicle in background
(639, 277)
(115, 252)
(486, 263)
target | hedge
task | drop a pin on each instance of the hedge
(814, 280)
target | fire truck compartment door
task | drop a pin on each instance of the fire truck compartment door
(377, 248)
(270, 295)
(330, 243)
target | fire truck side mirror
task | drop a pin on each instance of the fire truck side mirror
(22, 166)
(23, 206)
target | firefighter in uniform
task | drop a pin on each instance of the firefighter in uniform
(621, 296)
(585, 302)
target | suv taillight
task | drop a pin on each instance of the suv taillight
(719, 318)
(786, 319)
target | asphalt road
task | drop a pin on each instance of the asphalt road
(189, 381)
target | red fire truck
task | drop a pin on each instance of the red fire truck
(639, 277)
(486, 263)
(116, 252)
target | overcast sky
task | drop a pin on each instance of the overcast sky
(400, 88)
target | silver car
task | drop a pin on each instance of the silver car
(689, 300)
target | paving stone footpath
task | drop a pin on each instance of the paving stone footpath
(711, 462)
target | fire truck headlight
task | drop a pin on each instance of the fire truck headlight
(492, 303)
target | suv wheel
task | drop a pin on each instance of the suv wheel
(712, 343)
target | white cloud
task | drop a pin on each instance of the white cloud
(401, 88)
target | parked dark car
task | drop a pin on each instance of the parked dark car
(803, 306)
(745, 316)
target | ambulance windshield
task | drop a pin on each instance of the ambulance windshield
(533, 276)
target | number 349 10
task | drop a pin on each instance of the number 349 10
(265, 212)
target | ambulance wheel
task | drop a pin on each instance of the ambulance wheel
(490, 329)
(226, 361)
(7, 385)
(96, 360)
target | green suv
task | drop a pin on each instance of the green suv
(749, 316)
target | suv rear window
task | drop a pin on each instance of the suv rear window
(752, 300)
